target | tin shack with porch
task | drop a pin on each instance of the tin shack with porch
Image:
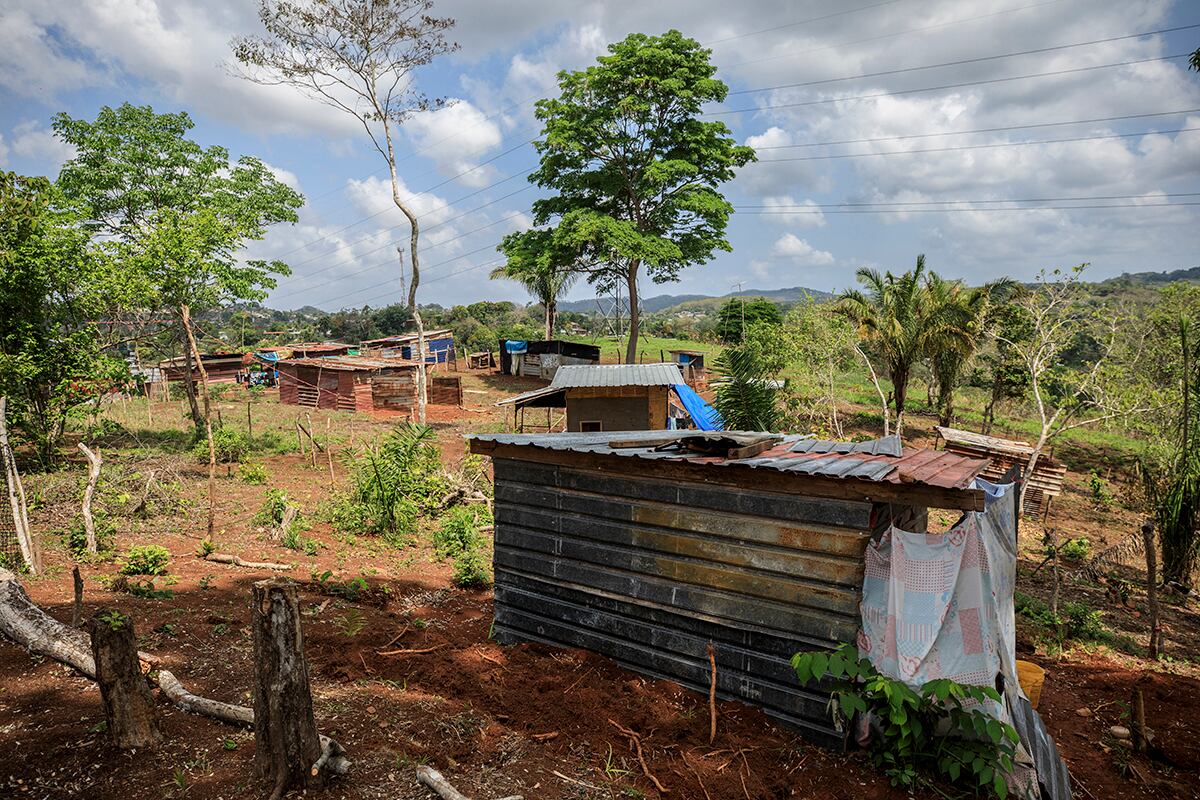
(645, 546)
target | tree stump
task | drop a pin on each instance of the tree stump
(285, 733)
(128, 706)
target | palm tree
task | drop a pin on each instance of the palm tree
(532, 263)
(962, 317)
(891, 319)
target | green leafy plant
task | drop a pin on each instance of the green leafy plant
(206, 548)
(292, 540)
(230, 446)
(1099, 489)
(147, 559)
(458, 531)
(352, 623)
(106, 531)
(274, 505)
(393, 484)
(252, 472)
(471, 569)
(114, 619)
(1075, 550)
(938, 728)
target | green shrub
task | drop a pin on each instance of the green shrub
(1075, 550)
(1082, 622)
(1101, 493)
(230, 446)
(392, 485)
(471, 569)
(458, 531)
(252, 472)
(930, 730)
(106, 531)
(271, 511)
(146, 559)
(292, 540)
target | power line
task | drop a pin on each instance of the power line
(977, 146)
(803, 22)
(961, 62)
(1030, 208)
(977, 200)
(1052, 73)
(983, 130)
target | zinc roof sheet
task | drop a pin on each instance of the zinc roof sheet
(882, 460)
(576, 375)
(348, 362)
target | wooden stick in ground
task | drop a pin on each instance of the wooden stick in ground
(287, 747)
(128, 706)
(329, 450)
(712, 693)
(95, 462)
(1152, 587)
(637, 744)
(77, 608)
(312, 440)
(430, 777)
(249, 422)
(30, 552)
(299, 438)
(1137, 709)
(212, 451)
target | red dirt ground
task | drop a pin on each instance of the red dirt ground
(527, 719)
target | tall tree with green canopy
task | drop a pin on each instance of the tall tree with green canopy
(533, 263)
(51, 288)
(633, 169)
(738, 314)
(174, 214)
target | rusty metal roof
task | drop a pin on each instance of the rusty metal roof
(880, 460)
(348, 363)
(402, 338)
(576, 375)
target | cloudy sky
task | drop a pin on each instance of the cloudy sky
(884, 128)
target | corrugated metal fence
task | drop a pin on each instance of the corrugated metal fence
(648, 571)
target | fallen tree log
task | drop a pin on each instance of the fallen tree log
(29, 626)
(237, 561)
(430, 777)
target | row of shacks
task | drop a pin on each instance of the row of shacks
(378, 374)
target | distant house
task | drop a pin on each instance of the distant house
(617, 397)
(691, 364)
(348, 383)
(218, 368)
(439, 346)
(541, 359)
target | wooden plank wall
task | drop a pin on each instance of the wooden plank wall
(647, 571)
(396, 391)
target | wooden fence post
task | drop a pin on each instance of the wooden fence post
(128, 706)
(287, 747)
(1152, 587)
(77, 608)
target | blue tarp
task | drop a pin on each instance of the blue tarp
(516, 347)
(704, 415)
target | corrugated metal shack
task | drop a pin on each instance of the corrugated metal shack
(349, 383)
(618, 544)
(542, 359)
(608, 397)
(439, 347)
(218, 368)
(1044, 484)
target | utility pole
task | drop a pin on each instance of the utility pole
(739, 285)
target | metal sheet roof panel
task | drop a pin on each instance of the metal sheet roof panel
(594, 375)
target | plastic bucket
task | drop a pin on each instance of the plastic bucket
(1031, 678)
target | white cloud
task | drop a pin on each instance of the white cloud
(454, 137)
(786, 210)
(284, 176)
(791, 246)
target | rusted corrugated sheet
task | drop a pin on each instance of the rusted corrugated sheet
(876, 460)
(648, 571)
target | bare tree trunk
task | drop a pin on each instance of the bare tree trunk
(212, 451)
(77, 608)
(900, 396)
(95, 462)
(191, 360)
(30, 551)
(635, 312)
(550, 310)
(128, 705)
(1152, 587)
(883, 403)
(285, 733)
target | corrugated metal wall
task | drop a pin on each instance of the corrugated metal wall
(647, 572)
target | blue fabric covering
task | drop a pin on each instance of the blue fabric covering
(516, 347)
(704, 415)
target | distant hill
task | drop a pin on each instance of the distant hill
(663, 302)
